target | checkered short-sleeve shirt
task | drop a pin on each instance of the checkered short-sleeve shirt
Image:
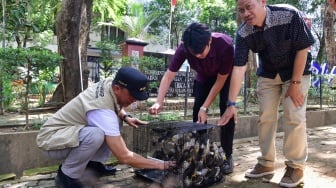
(284, 33)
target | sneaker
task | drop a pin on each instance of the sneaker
(64, 181)
(292, 178)
(101, 169)
(228, 165)
(259, 171)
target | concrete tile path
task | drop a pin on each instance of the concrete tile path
(320, 171)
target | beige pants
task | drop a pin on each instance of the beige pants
(271, 92)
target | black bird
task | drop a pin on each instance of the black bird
(190, 170)
(159, 154)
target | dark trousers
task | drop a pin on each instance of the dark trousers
(201, 91)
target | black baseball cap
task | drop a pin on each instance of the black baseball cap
(134, 81)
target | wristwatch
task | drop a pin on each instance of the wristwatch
(125, 116)
(204, 109)
(230, 103)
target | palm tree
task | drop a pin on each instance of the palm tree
(135, 24)
(109, 9)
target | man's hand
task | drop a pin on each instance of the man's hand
(231, 111)
(155, 109)
(168, 165)
(296, 95)
(202, 116)
(134, 122)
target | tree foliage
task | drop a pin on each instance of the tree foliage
(107, 59)
(135, 22)
(219, 15)
(35, 21)
(29, 19)
(108, 10)
(34, 60)
(183, 14)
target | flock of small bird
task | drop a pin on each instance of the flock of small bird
(199, 162)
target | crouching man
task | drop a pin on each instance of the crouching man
(84, 132)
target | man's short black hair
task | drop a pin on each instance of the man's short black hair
(195, 37)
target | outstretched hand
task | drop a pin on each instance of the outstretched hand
(168, 165)
(202, 117)
(135, 122)
(155, 109)
(228, 114)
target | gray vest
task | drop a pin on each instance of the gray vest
(61, 130)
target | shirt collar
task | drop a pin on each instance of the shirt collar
(267, 21)
(268, 18)
(114, 98)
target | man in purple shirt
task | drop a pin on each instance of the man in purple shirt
(211, 56)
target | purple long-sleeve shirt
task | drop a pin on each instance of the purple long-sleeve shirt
(218, 61)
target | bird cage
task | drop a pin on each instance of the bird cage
(199, 161)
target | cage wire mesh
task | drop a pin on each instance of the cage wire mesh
(199, 162)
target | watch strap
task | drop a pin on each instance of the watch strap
(204, 109)
(125, 116)
(230, 103)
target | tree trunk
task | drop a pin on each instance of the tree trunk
(72, 28)
(26, 97)
(320, 53)
(84, 40)
(330, 36)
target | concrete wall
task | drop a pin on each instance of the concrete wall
(18, 151)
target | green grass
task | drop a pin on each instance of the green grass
(51, 169)
(43, 170)
(9, 176)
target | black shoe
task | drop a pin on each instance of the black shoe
(64, 181)
(101, 169)
(228, 165)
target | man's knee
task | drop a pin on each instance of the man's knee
(93, 136)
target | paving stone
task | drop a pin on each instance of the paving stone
(320, 171)
(36, 183)
(36, 177)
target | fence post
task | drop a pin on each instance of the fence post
(245, 94)
(186, 93)
(321, 101)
